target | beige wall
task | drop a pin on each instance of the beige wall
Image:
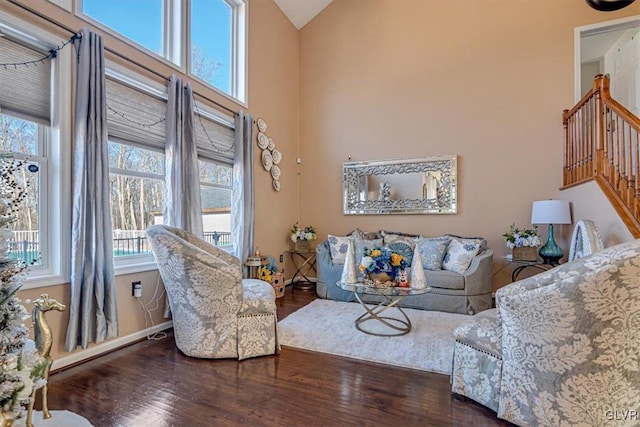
(389, 79)
(272, 95)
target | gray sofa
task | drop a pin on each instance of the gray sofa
(467, 293)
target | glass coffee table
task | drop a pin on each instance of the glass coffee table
(392, 297)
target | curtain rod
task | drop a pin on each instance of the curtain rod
(118, 54)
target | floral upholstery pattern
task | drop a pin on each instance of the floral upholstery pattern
(459, 255)
(216, 314)
(569, 345)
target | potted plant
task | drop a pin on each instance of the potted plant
(523, 243)
(301, 237)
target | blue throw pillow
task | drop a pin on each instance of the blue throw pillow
(432, 251)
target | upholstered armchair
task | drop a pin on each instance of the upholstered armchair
(216, 313)
(562, 347)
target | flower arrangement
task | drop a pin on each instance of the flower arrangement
(382, 260)
(516, 238)
(308, 233)
(266, 271)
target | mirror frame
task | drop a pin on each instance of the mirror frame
(445, 203)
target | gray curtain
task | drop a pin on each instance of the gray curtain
(242, 198)
(93, 311)
(182, 206)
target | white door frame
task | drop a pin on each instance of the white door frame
(578, 32)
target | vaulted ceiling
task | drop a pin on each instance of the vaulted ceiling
(300, 12)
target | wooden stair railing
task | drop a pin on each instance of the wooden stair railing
(601, 143)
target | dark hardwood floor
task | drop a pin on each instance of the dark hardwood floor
(152, 384)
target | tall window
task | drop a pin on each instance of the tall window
(139, 20)
(211, 41)
(29, 92)
(215, 193)
(204, 38)
(24, 139)
(137, 188)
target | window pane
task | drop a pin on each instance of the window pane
(25, 244)
(18, 136)
(136, 203)
(137, 159)
(139, 20)
(212, 173)
(211, 42)
(216, 215)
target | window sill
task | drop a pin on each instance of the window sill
(44, 281)
(135, 268)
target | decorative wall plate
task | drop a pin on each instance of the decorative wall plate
(262, 125)
(275, 172)
(276, 185)
(263, 140)
(271, 145)
(267, 160)
(277, 156)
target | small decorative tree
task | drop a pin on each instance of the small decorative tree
(21, 367)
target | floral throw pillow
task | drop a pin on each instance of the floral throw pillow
(338, 246)
(432, 251)
(459, 255)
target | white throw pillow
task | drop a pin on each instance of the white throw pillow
(459, 256)
(338, 246)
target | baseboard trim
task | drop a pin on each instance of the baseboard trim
(107, 347)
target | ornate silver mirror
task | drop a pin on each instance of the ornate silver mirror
(414, 186)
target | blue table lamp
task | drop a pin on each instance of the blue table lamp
(551, 212)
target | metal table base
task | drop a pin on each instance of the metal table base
(402, 326)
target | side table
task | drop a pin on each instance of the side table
(523, 265)
(304, 263)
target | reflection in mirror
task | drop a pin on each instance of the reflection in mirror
(426, 186)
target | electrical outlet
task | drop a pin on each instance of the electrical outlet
(281, 258)
(136, 289)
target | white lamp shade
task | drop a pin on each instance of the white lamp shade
(551, 212)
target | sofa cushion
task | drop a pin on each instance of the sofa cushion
(459, 256)
(391, 238)
(338, 246)
(481, 332)
(444, 279)
(364, 235)
(258, 297)
(481, 241)
(432, 251)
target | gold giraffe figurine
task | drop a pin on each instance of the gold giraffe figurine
(43, 339)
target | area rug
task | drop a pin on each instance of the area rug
(328, 326)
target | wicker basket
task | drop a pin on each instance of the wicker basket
(302, 246)
(525, 253)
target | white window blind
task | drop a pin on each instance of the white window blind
(25, 91)
(135, 116)
(214, 141)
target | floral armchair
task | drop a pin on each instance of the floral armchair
(562, 347)
(216, 313)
